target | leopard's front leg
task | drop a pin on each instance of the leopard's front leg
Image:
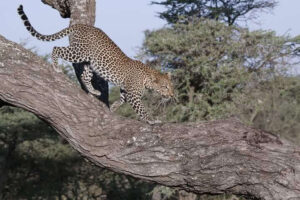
(118, 103)
(135, 100)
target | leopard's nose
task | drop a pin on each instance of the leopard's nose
(171, 93)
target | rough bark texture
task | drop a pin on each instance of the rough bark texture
(205, 158)
(81, 12)
(62, 6)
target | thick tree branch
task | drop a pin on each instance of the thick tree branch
(210, 157)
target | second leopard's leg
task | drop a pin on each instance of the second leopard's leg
(86, 78)
(118, 103)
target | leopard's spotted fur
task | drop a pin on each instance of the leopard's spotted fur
(90, 44)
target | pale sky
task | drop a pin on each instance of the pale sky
(124, 21)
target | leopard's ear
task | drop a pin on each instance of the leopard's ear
(169, 74)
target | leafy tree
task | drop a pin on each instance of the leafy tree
(219, 71)
(273, 105)
(228, 11)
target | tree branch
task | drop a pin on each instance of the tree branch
(205, 158)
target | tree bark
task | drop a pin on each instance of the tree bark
(206, 158)
(81, 12)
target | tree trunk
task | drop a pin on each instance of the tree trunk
(215, 157)
(81, 12)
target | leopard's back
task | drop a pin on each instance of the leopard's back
(106, 58)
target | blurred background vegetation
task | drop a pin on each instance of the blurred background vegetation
(219, 70)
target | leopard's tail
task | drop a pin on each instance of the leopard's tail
(39, 36)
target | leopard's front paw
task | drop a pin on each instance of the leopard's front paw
(152, 122)
(115, 106)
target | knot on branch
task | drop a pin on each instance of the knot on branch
(256, 137)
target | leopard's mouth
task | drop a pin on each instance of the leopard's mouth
(166, 97)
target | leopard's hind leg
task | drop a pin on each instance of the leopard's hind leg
(70, 54)
(86, 78)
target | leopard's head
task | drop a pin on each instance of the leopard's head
(163, 85)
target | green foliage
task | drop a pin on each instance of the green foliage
(272, 105)
(213, 63)
(228, 11)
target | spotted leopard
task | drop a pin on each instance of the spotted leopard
(92, 45)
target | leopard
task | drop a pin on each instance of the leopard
(91, 45)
